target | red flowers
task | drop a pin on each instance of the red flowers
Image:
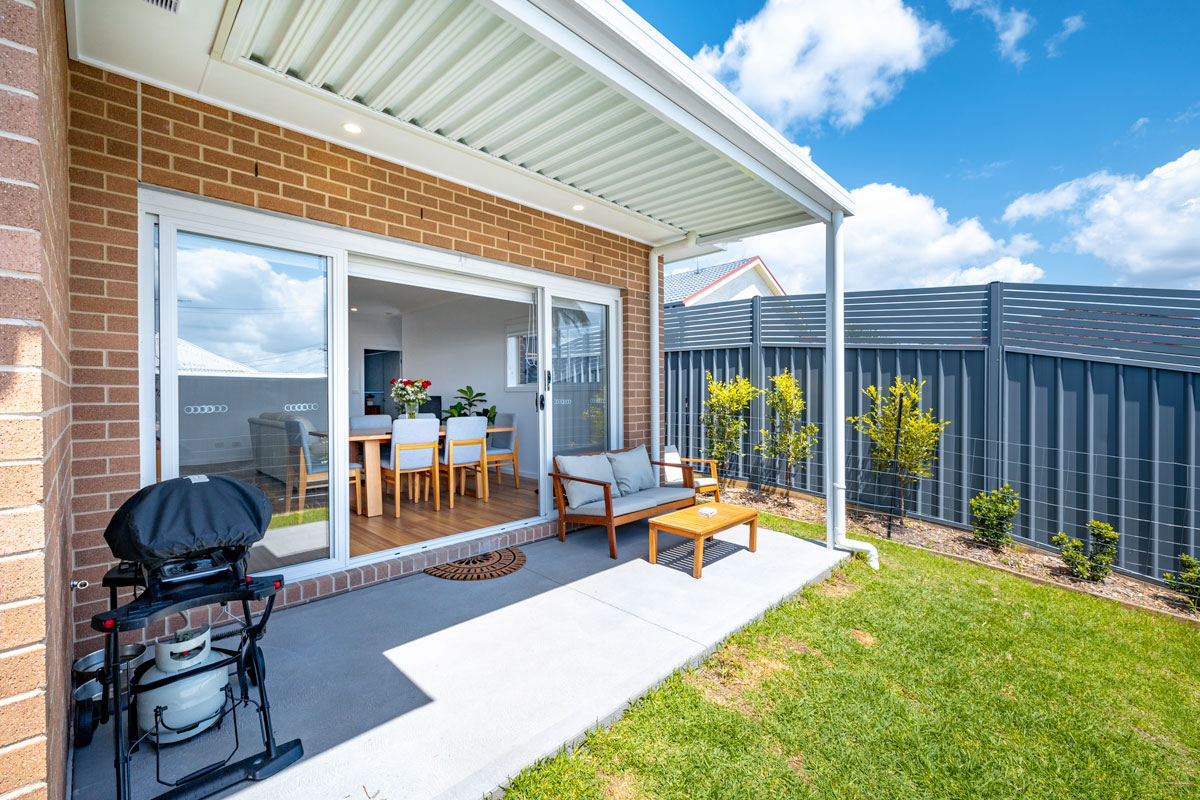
(426, 384)
(393, 381)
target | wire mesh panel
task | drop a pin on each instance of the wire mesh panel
(1084, 399)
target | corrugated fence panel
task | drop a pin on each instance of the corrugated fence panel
(1094, 415)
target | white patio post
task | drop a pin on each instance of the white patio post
(835, 382)
(835, 395)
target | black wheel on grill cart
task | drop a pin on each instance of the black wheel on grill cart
(85, 721)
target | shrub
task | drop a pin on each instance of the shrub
(911, 455)
(787, 439)
(1094, 563)
(724, 417)
(1187, 583)
(994, 512)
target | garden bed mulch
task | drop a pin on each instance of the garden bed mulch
(952, 541)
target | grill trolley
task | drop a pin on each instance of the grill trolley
(173, 582)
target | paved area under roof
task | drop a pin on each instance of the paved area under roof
(428, 688)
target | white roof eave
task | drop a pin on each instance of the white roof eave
(614, 29)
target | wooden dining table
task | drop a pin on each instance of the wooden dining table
(371, 438)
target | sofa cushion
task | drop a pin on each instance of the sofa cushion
(632, 470)
(701, 483)
(594, 468)
(627, 504)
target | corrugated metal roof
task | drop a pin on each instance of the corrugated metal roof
(456, 69)
(679, 286)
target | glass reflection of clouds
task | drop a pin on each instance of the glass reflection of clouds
(261, 307)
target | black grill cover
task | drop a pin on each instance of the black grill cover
(185, 516)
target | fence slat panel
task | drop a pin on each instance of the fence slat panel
(1096, 393)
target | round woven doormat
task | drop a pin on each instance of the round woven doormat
(495, 564)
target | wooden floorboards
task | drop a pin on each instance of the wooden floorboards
(418, 522)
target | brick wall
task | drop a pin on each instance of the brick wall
(182, 144)
(35, 629)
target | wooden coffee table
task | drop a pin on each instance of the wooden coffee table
(688, 522)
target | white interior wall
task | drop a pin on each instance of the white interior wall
(463, 342)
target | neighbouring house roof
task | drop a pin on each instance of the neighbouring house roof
(679, 287)
(580, 109)
(196, 360)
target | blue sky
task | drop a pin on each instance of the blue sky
(978, 105)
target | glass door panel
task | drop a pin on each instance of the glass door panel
(252, 364)
(579, 372)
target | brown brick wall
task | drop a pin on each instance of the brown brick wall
(35, 623)
(207, 151)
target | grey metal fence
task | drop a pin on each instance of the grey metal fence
(1084, 399)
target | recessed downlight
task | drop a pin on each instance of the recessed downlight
(352, 308)
(351, 127)
(577, 207)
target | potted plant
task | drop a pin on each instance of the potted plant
(409, 394)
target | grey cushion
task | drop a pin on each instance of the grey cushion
(647, 498)
(594, 468)
(632, 470)
(701, 483)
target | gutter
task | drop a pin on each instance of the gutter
(656, 340)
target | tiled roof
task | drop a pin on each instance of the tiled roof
(682, 285)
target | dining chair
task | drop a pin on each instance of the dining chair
(426, 415)
(466, 449)
(413, 452)
(308, 464)
(502, 447)
(674, 475)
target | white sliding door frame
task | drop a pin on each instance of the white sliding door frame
(362, 255)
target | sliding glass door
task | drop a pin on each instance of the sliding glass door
(580, 376)
(244, 385)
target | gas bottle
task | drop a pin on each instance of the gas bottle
(190, 705)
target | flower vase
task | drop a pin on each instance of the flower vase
(411, 409)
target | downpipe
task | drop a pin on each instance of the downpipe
(840, 542)
(656, 341)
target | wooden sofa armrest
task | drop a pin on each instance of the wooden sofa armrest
(711, 463)
(561, 501)
(689, 472)
(561, 477)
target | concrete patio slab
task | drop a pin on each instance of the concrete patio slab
(427, 688)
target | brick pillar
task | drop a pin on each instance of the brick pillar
(34, 401)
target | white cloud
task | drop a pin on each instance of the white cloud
(1071, 26)
(1146, 228)
(238, 305)
(1138, 128)
(804, 61)
(1039, 205)
(1011, 26)
(896, 239)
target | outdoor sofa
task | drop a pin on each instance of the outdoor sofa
(614, 487)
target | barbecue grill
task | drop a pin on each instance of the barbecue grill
(182, 544)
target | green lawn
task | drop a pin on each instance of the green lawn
(929, 679)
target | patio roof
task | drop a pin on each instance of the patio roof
(551, 103)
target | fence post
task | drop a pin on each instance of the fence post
(992, 388)
(758, 407)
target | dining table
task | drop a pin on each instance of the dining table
(371, 439)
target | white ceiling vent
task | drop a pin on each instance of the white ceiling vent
(166, 5)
